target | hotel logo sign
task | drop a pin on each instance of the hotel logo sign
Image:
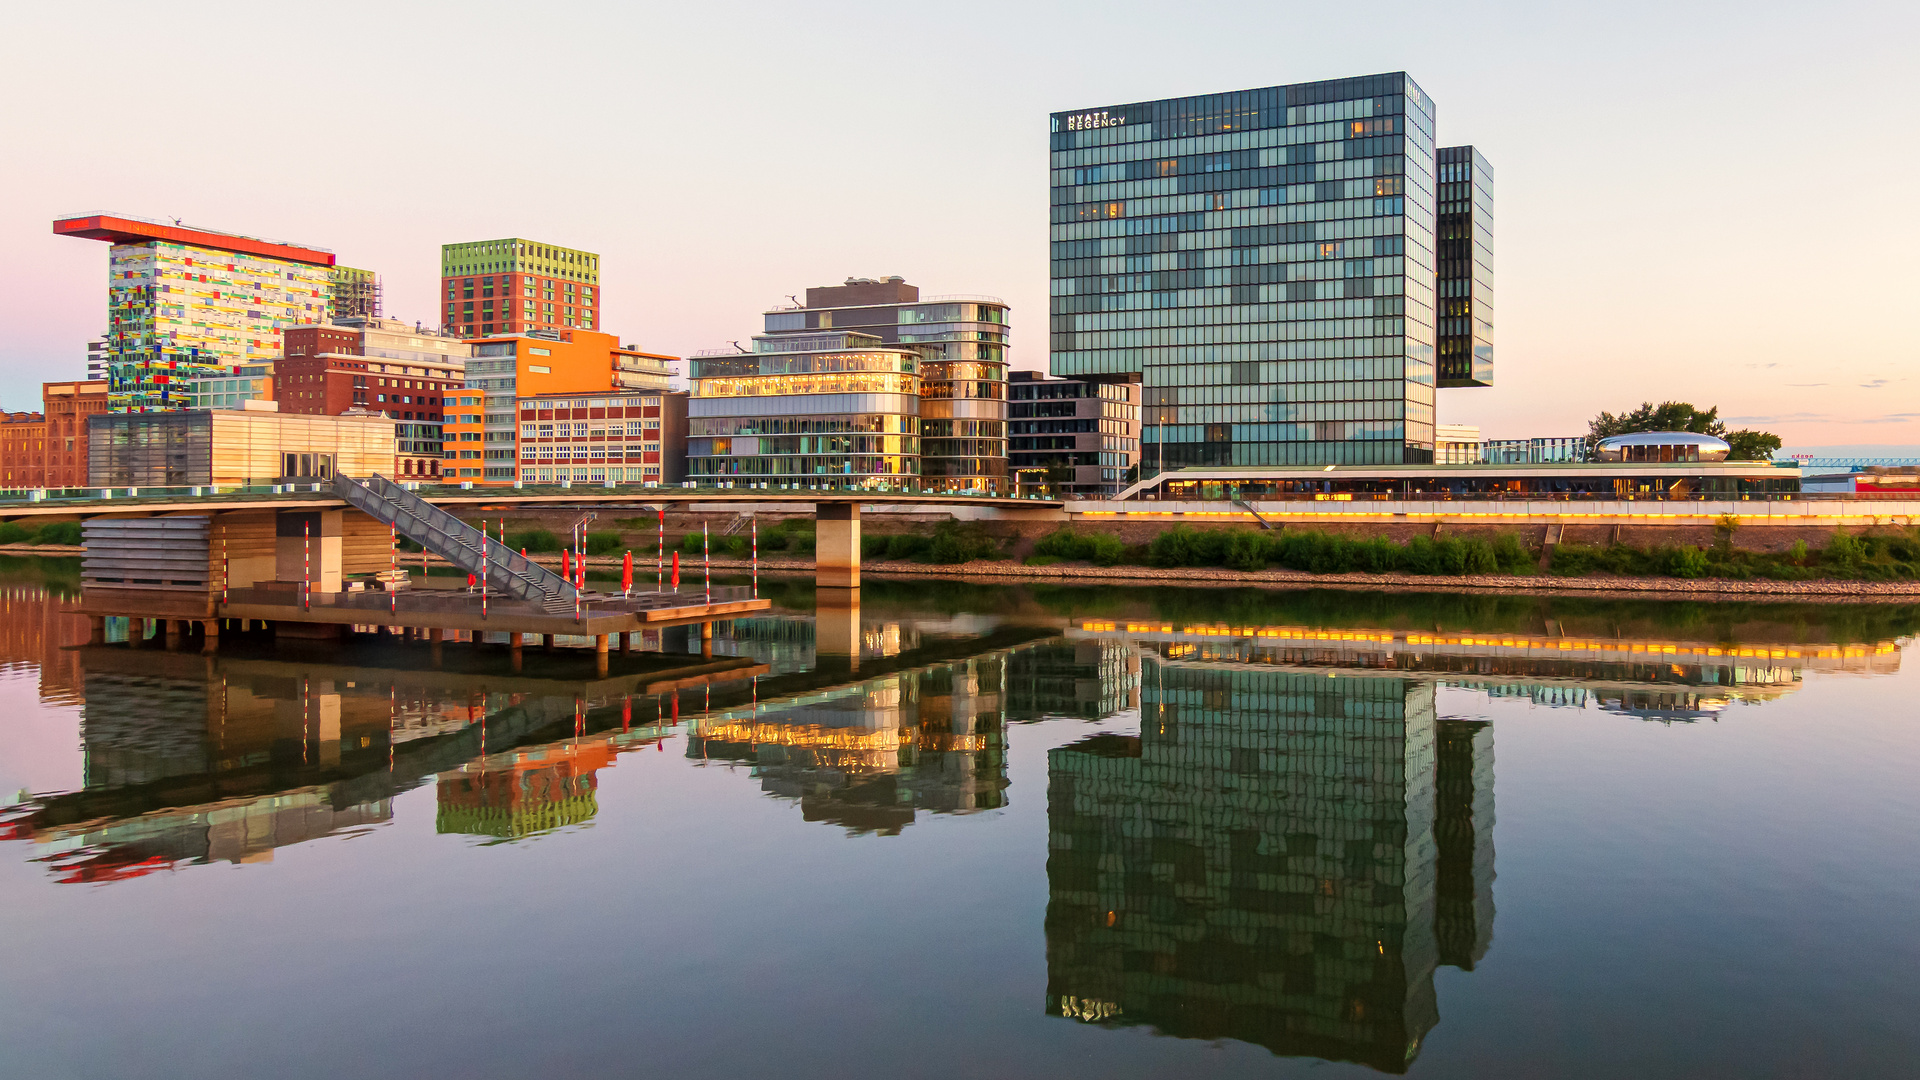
(1091, 120)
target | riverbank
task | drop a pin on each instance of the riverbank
(1071, 574)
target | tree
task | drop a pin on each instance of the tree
(1680, 416)
(1751, 445)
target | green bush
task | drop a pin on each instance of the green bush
(1797, 553)
(533, 541)
(1101, 549)
(12, 533)
(907, 546)
(59, 532)
(953, 544)
(1687, 562)
(603, 543)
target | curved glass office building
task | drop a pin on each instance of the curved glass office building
(828, 408)
(962, 342)
(1264, 263)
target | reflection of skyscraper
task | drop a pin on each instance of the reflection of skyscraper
(1263, 863)
(1091, 679)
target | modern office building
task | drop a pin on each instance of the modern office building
(833, 407)
(482, 425)
(1279, 857)
(228, 389)
(384, 366)
(353, 293)
(514, 286)
(1071, 436)
(97, 359)
(1263, 262)
(183, 302)
(962, 342)
(1456, 444)
(628, 440)
(1464, 268)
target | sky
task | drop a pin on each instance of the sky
(1708, 202)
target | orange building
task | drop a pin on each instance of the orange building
(482, 430)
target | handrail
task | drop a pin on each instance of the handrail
(454, 540)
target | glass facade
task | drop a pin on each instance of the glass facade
(830, 407)
(1071, 436)
(962, 343)
(1262, 261)
(1464, 282)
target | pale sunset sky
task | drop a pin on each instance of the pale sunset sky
(1710, 202)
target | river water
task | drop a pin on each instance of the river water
(959, 830)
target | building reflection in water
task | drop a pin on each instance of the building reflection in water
(1265, 862)
(870, 755)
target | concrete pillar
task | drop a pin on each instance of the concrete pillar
(172, 627)
(515, 653)
(836, 624)
(600, 644)
(96, 629)
(836, 547)
(211, 643)
(626, 644)
(600, 655)
(706, 639)
(546, 642)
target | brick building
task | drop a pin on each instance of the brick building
(514, 285)
(376, 365)
(23, 448)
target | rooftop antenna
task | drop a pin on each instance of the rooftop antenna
(176, 221)
(736, 345)
(795, 299)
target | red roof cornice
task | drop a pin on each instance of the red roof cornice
(121, 230)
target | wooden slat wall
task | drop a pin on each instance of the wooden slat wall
(167, 554)
(249, 445)
(365, 544)
(242, 542)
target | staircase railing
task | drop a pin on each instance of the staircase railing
(455, 541)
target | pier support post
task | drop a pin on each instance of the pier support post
(836, 560)
(514, 651)
(706, 639)
(96, 629)
(600, 655)
(626, 644)
(171, 627)
(210, 642)
(546, 642)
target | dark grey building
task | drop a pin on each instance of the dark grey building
(1263, 262)
(1464, 286)
(1071, 436)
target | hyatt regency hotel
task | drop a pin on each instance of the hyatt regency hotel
(1286, 271)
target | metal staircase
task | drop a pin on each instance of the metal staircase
(502, 568)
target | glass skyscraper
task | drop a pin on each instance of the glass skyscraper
(1263, 262)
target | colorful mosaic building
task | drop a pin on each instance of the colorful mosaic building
(185, 302)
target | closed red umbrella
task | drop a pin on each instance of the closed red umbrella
(566, 564)
(676, 571)
(626, 573)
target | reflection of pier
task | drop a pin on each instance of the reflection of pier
(195, 759)
(1278, 857)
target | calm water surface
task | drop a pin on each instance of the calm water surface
(1029, 831)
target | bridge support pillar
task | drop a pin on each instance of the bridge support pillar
(836, 624)
(836, 545)
(210, 641)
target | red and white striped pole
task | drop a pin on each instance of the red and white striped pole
(485, 566)
(706, 562)
(393, 569)
(660, 553)
(306, 570)
(756, 557)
